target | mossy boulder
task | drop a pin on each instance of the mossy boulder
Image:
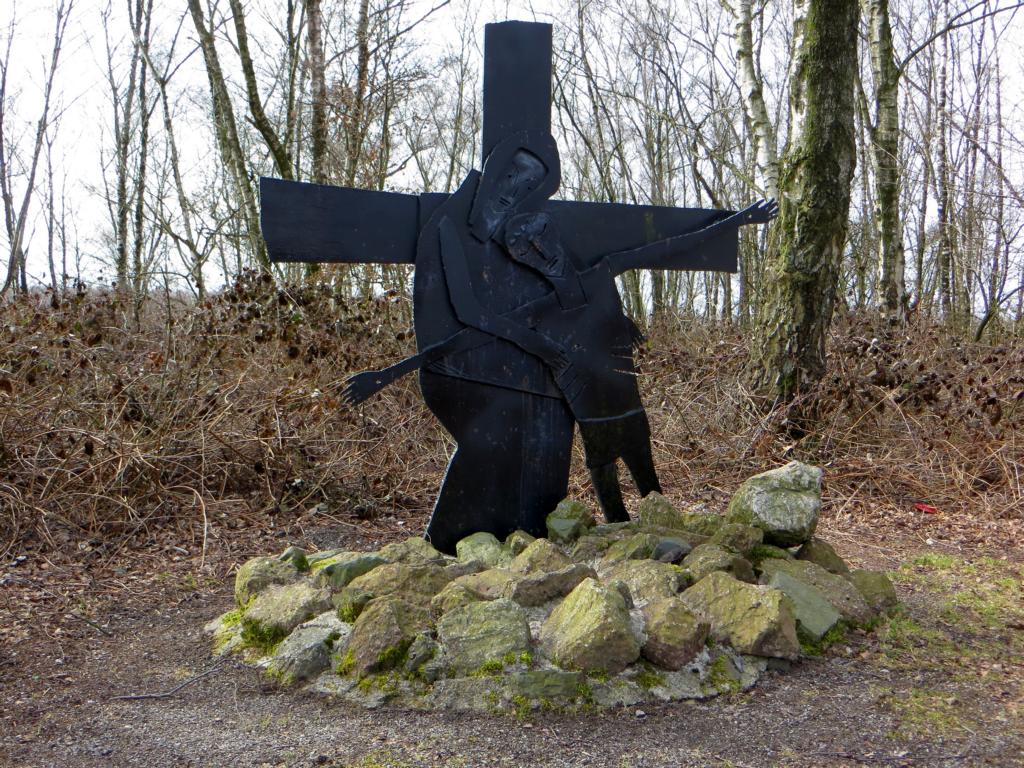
(590, 547)
(422, 651)
(590, 630)
(876, 589)
(546, 685)
(814, 614)
(763, 552)
(840, 593)
(339, 570)
(259, 573)
(539, 556)
(756, 620)
(821, 553)
(647, 580)
(307, 650)
(483, 633)
(383, 633)
(656, 512)
(639, 546)
(783, 502)
(540, 587)
(482, 547)
(413, 583)
(675, 635)
(280, 609)
(707, 558)
(349, 603)
(297, 557)
(453, 596)
(488, 585)
(741, 538)
(415, 551)
(569, 520)
(517, 541)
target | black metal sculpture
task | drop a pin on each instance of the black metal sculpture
(520, 335)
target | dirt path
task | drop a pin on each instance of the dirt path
(927, 689)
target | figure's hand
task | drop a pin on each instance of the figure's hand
(760, 212)
(361, 387)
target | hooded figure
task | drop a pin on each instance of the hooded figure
(500, 402)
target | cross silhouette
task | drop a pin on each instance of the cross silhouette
(521, 336)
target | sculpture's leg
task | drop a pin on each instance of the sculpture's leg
(605, 479)
(636, 453)
(512, 463)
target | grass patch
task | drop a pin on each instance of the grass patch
(924, 713)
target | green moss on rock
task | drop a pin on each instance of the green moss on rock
(757, 620)
(590, 630)
(260, 573)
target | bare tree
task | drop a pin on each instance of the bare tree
(815, 178)
(16, 215)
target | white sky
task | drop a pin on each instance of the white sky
(83, 94)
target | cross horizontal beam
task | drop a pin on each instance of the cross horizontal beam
(312, 223)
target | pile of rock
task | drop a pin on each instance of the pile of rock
(671, 605)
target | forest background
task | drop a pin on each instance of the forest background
(170, 402)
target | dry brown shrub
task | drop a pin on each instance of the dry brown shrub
(225, 415)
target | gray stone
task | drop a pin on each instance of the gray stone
(569, 521)
(307, 650)
(782, 502)
(706, 558)
(821, 553)
(757, 620)
(481, 633)
(413, 583)
(590, 630)
(537, 588)
(539, 556)
(383, 633)
(550, 686)
(482, 547)
(647, 579)
(339, 570)
(674, 634)
(876, 589)
(842, 595)
(277, 611)
(259, 573)
(814, 613)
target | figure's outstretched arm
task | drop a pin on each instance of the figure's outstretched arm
(675, 252)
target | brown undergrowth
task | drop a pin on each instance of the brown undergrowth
(196, 421)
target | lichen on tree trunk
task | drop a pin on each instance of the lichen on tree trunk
(809, 236)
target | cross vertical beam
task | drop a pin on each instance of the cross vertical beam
(517, 80)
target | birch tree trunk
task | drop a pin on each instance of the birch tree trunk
(761, 131)
(318, 82)
(814, 181)
(227, 139)
(885, 136)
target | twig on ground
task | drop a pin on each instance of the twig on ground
(174, 690)
(92, 624)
